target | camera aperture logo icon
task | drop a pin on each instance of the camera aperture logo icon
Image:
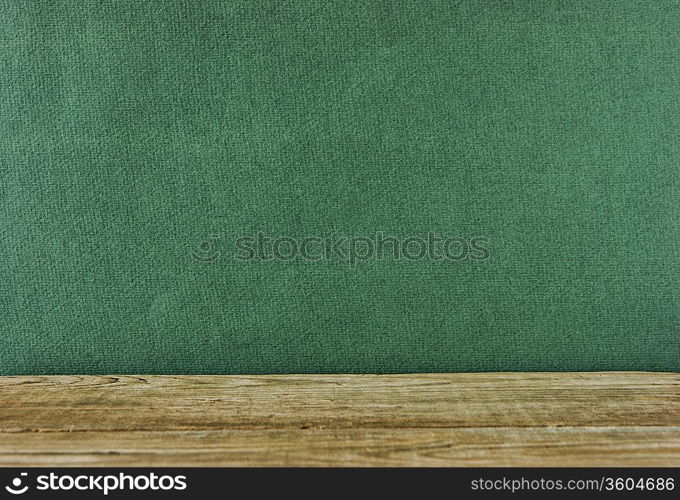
(15, 488)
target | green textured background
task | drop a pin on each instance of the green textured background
(131, 130)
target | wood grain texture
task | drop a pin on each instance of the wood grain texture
(486, 419)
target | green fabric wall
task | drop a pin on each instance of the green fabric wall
(138, 135)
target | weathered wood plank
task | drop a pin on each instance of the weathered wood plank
(439, 400)
(612, 418)
(500, 446)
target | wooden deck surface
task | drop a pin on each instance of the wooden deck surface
(487, 419)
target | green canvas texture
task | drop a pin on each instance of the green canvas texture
(339, 186)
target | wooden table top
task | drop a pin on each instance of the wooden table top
(485, 419)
